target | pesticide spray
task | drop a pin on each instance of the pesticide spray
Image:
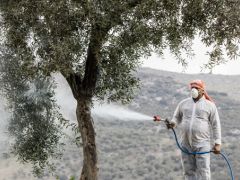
(4, 140)
(68, 104)
(108, 111)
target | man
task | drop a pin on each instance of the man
(196, 117)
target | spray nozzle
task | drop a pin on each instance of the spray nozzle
(157, 118)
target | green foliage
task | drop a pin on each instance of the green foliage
(55, 36)
(34, 121)
(72, 178)
(34, 126)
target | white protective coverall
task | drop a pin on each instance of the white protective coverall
(196, 120)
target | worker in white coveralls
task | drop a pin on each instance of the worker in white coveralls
(196, 117)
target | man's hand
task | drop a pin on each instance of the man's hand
(171, 125)
(216, 149)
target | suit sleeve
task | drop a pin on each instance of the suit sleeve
(177, 116)
(216, 125)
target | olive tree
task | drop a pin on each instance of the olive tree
(96, 46)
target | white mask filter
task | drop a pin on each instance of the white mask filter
(194, 93)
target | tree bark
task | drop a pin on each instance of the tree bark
(83, 111)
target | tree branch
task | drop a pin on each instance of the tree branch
(98, 34)
(75, 82)
(91, 68)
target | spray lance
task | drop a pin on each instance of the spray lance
(157, 118)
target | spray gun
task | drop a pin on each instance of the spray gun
(157, 118)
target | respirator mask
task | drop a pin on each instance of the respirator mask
(194, 93)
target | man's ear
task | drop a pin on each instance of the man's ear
(201, 91)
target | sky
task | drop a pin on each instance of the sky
(169, 63)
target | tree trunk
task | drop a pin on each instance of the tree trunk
(89, 170)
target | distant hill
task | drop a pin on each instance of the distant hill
(229, 84)
(144, 150)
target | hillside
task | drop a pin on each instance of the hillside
(229, 84)
(144, 150)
